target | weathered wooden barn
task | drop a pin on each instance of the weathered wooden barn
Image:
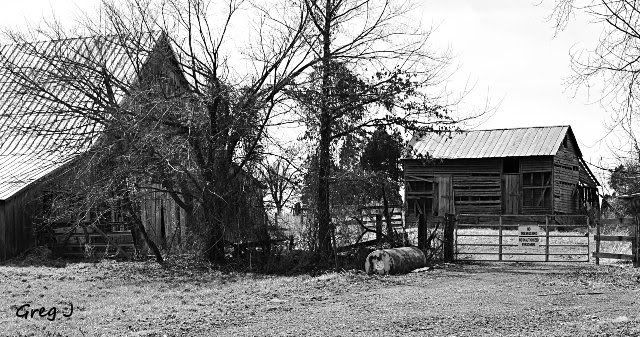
(535, 170)
(32, 161)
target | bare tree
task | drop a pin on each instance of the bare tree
(613, 65)
(166, 106)
(282, 178)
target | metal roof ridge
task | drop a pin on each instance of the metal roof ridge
(78, 38)
(516, 128)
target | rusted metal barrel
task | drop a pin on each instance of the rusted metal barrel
(394, 261)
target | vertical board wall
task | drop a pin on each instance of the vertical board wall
(16, 222)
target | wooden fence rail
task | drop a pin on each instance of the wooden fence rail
(559, 237)
(634, 238)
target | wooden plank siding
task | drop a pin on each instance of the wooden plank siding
(16, 222)
(471, 178)
(536, 164)
(478, 185)
(3, 231)
(163, 219)
(566, 176)
(511, 193)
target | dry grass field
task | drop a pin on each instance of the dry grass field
(143, 299)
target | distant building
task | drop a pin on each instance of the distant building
(535, 170)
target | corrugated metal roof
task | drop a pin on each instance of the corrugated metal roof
(40, 129)
(517, 142)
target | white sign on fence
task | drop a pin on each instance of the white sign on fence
(529, 236)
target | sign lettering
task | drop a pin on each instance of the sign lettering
(529, 236)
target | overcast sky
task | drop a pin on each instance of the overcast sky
(506, 48)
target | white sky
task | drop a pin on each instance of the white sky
(506, 48)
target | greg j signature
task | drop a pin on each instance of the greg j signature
(25, 311)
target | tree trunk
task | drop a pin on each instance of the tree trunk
(152, 245)
(139, 241)
(276, 218)
(324, 144)
(324, 214)
(135, 216)
(143, 232)
(214, 218)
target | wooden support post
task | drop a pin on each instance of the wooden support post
(546, 247)
(635, 244)
(597, 238)
(588, 240)
(449, 225)
(423, 233)
(455, 240)
(500, 238)
(379, 228)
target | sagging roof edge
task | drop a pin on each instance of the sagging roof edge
(44, 177)
(589, 172)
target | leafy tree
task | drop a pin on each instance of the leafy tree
(625, 178)
(382, 153)
(373, 70)
(381, 157)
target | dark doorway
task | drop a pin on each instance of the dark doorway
(511, 165)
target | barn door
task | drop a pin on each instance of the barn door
(446, 201)
(511, 193)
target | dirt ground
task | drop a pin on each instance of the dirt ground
(142, 299)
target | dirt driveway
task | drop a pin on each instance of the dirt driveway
(141, 299)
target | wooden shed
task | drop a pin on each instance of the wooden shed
(534, 170)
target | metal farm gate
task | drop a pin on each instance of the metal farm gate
(521, 238)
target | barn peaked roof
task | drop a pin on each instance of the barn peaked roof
(497, 143)
(39, 130)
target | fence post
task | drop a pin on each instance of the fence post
(546, 247)
(449, 226)
(597, 238)
(500, 238)
(423, 233)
